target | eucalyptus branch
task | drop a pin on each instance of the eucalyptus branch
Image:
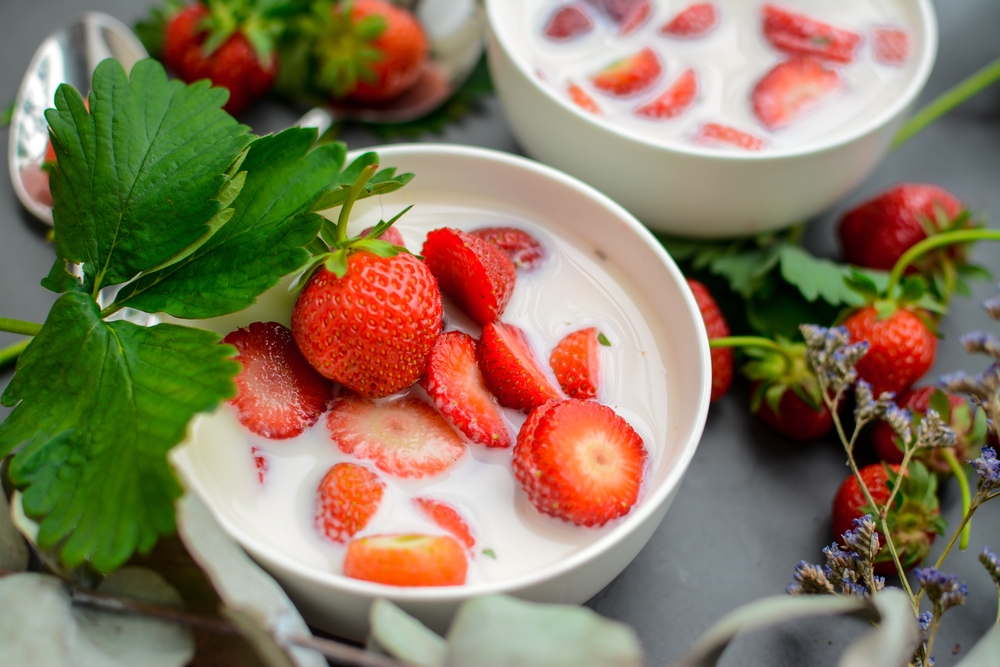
(19, 327)
(343, 654)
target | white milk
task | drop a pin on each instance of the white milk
(729, 62)
(573, 289)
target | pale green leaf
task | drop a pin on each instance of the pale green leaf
(396, 633)
(985, 652)
(895, 639)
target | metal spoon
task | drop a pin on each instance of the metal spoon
(68, 56)
(456, 30)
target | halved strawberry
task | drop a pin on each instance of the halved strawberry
(890, 46)
(455, 384)
(714, 134)
(391, 235)
(674, 101)
(636, 18)
(522, 248)
(792, 89)
(629, 76)
(448, 518)
(261, 463)
(510, 370)
(279, 395)
(346, 500)
(575, 361)
(567, 22)
(407, 560)
(799, 34)
(579, 461)
(405, 437)
(618, 10)
(581, 99)
(695, 21)
(473, 273)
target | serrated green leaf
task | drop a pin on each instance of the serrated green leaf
(781, 312)
(136, 177)
(264, 240)
(745, 271)
(381, 183)
(818, 278)
(96, 407)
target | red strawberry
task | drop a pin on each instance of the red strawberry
(567, 22)
(279, 395)
(619, 10)
(580, 98)
(714, 134)
(520, 247)
(717, 327)
(891, 46)
(796, 418)
(579, 461)
(799, 34)
(346, 500)
(373, 329)
(261, 463)
(877, 233)
(448, 518)
(636, 18)
(674, 101)
(407, 560)
(576, 363)
(510, 370)
(201, 43)
(390, 235)
(793, 89)
(629, 76)
(913, 520)
(473, 273)
(455, 384)
(902, 348)
(697, 20)
(404, 437)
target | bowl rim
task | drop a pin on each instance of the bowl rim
(273, 558)
(928, 20)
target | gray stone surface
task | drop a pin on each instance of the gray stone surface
(753, 503)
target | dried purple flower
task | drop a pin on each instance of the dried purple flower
(924, 619)
(831, 355)
(943, 590)
(978, 342)
(809, 580)
(863, 540)
(900, 421)
(988, 468)
(992, 308)
(867, 407)
(932, 432)
(991, 563)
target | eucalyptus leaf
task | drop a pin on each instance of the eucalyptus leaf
(985, 652)
(13, 549)
(893, 642)
(247, 591)
(498, 630)
(396, 633)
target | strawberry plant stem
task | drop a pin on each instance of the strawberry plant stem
(932, 243)
(748, 341)
(947, 101)
(19, 327)
(963, 483)
(9, 355)
(345, 210)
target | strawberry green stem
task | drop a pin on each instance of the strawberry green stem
(748, 341)
(947, 101)
(9, 355)
(352, 196)
(932, 243)
(19, 327)
(963, 484)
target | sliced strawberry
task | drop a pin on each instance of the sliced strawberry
(390, 235)
(890, 46)
(579, 461)
(629, 76)
(473, 273)
(674, 101)
(407, 560)
(455, 384)
(448, 518)
(261, 463)
(510, 370)
(618, 10)
(714, 134)
(576, 363)
(696, 21)
(567, 22)
(346, 500)
(279, 395)
(405, 437)
(581, 99)
(793, 89)
(522, 248)
(799, 34)
(636, 18)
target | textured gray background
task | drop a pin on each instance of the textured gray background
(753, 503)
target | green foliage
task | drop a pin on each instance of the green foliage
(150, 30)
(6, 115)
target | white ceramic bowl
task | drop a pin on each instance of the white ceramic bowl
(687, 189)
(557, 202)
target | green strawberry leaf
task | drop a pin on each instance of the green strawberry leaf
(819, 278)
(862, 284)
(7, 114)
(339, 188)
(781, 311)
(939, 403)
(118, 210)
(97, 405)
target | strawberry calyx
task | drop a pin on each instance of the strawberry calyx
(775, 367)
(260, 22)
(343, 46)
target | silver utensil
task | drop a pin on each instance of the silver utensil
(69, 55)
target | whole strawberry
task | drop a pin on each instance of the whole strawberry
(902, 347)
(366, 320)
(877, 233)
(717, 327)
(226, 41)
